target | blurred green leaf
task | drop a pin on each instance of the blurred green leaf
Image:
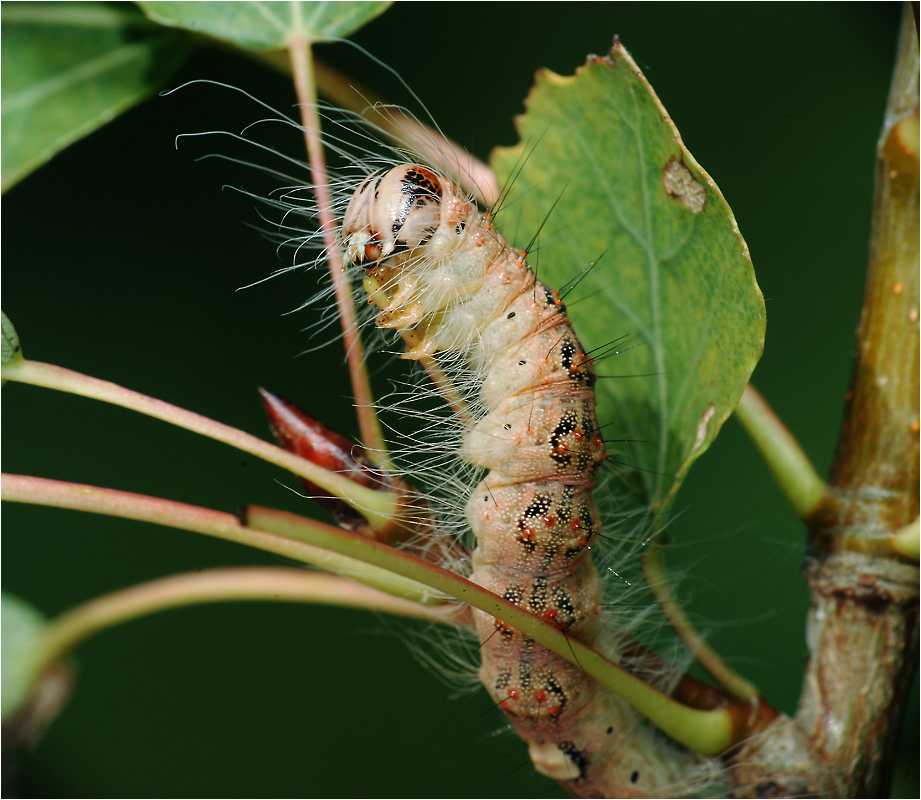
(12, 350)
(266, 26)
(674, 285)
(69, 68)
(21, 627)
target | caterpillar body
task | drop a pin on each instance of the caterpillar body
(445, 278)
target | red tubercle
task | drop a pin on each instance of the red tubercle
(540, 697)
(549, 520)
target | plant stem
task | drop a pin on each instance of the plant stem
(907, 541)
(403, 128)
(862, 627)
(708, 732)
(657, 579)
(372, 436)
(276, 584)
(792, 469)
(380, 508)
(81, 497)
(864, 619)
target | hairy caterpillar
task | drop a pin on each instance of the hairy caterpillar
(438, 268)
(521, 388)
(568, 724)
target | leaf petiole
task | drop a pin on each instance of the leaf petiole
(380, 508)
(81, 497)
(402, 574)
(275, 584)
(795, 475)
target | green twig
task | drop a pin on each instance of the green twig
(657, 579)
(907, 541)
(80, 497)
(380, 508)
(707, 732)
(792, 469)
(276, 584)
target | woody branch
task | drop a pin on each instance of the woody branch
(862, 628)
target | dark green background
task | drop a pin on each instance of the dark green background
(121, 258)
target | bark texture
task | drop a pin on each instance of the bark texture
(862, 629)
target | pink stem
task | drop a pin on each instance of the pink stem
(372, 435)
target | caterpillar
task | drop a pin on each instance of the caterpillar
(438, 269)
(521, 389)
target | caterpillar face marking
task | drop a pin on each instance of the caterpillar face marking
(391, 213)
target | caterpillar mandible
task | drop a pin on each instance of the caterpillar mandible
(445, 279)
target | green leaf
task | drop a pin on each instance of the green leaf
(21, 627)
(266, 26)
(68, 68)
(674, 278)
(12, 350)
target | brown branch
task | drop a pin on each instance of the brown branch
(863, 623)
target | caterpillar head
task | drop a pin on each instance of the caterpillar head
(394, 211)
